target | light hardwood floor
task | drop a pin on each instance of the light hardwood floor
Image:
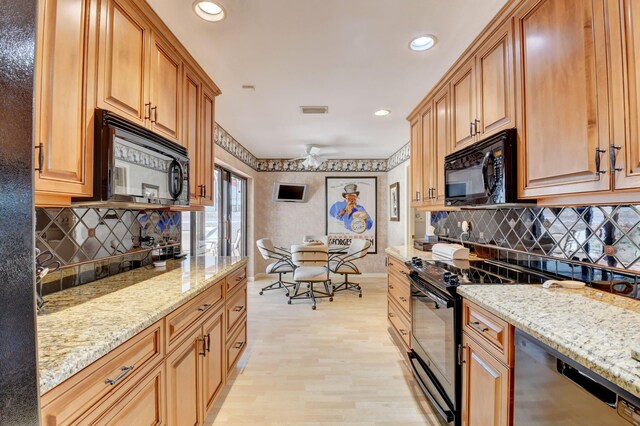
(336, 365)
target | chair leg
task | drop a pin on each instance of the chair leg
(310, 293)
(280, 284)
(348, 285)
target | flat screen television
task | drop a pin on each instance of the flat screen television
(290, 192)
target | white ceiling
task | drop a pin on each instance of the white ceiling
(351, 55)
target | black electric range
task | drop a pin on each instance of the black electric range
(437, 322)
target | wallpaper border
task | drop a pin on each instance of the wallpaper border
(227, 142)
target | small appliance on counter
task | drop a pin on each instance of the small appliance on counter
(426, 243)
(449, 251)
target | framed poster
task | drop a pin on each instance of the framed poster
(351, 210)
(394, 202)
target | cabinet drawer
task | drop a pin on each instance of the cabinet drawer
(236, 307)
(236, 346)
(400, 293)
(396, 266)
(495, 334)
(399, 322)
(142, 405)
(236, 278)
(179, 321)
(69, 402)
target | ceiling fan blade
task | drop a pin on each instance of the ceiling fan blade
(314, 150)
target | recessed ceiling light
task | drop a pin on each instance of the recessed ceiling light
(209, 10)
(422, 43)
(382, 112)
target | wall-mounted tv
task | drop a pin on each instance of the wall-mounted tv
(290, 192)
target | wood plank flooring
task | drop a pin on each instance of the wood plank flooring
(337, 365)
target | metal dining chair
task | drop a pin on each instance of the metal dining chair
(311, 262)
(343, 264)
(282, 264)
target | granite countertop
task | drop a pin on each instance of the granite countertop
(406, 252)
(82, 324)
(598, 330)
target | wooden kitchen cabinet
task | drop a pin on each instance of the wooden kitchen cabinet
(416, 162)
(123, 61)
(65, 75)
(561, 70)
(426, 140)
(164, 95)
(207, 153)
(463, 105)
(441, 144)
(487, 387)
(213, 373)
(399, 303)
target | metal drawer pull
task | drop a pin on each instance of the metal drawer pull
(391, 315)
(238, 308)
(123, 372)
(238, 345)
(391, 286)
(403, 331)
(204, 307)
(479, 326)
(208, 342)
(40, 148)
(204, 345)
(240, 278)
(404, 299)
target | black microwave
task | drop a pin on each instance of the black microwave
(134, 167)
(484, 173)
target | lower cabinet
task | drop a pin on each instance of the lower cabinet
(399, 303)
(136, 384)
(487, 377)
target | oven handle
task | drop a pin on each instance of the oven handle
(430, 295)
(446, 414)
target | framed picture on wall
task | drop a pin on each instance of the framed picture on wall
(351, 210)
(394, 202)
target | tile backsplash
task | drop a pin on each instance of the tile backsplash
(597, 244)
(91, 243)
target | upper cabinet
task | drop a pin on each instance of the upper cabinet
(123, 61)
(426, 121)
(416, 162)
(116, 55)
(164, 99)
(65, 74)
(463, 100)
(441, 143)
(562, 73)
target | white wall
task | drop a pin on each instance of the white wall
(397, 231)
(287, 223)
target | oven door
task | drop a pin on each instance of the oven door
(434, 345)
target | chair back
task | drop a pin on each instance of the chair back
(265, 247)
(308, 255)
(323, 238)
(358, 248)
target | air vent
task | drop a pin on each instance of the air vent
(249, 87)
(314, 109)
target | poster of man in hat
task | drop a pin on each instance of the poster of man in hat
(351, 205)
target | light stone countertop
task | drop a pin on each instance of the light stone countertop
(84, 323)
(596, 329)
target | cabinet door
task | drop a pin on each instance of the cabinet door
(416, 163)
(64, 102)
(213, 363)
(207, 159)
(562, 69)
(629, 158)
(426, 172)
(486, 387)
(463, 105)
(143, 405)
(122, 61)
(165, 90)
(496, 89)
(184, 383)
(441, 142)
(192, 116)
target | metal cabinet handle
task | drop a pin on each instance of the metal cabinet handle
(204, 307)
(40, 147)
(205, 191)
(475, 127)
(471, 129)
(391, 315)
(238, 345)
(147, 111)
(404, 299)
(208, 342)
(391, 287)
(404, 273)
(240, 278)
(155, 114)
(612, 157)
(123, 372)
(204, 346)
(403, 331)
(599, 152)
(238, 308)
(479, 326)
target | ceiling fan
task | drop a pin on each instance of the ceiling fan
(311, 157)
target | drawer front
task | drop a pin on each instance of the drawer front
(68, 403)
(399, 322)
(181, 319)
(236, 307)
(400, 293)
(236, 278)
(396, 266)
(236, 345)
(495, 334)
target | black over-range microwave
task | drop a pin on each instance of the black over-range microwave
(484, 173)
(134, 167)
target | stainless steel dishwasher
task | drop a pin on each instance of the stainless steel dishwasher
(551, 389)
